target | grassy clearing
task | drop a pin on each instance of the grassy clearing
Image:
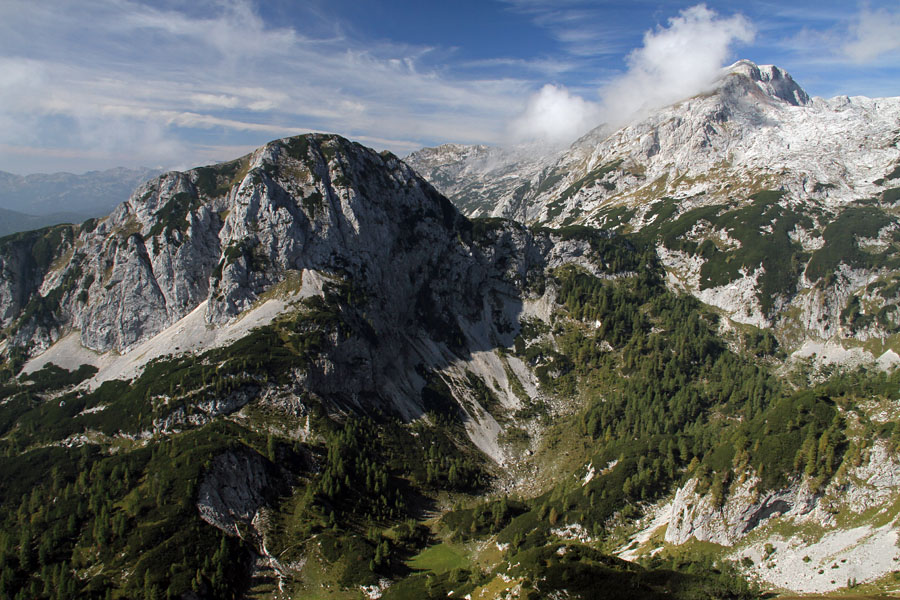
(440, 559)
(656, 541)
(694, 551)
(877, 516)
(887, 586)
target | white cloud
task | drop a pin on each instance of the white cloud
(236, 31)
(554, 115)
(874, 34)
(111, 76)
(675, 62)
(19, 81)
(188, 119)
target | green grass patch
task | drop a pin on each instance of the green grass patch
(440, 559)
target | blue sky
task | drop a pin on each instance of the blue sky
(100, 83)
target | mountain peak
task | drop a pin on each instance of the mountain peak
(771, 80)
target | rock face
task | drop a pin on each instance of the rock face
(756, 127)
(696, 515)
(772, 206)
(479, 179)
(233, 490)
(224, 234)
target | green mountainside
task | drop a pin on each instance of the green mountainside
(494, 426)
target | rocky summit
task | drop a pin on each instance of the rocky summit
(659, 362)
(774, 207)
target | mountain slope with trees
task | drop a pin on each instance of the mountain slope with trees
(305, 373)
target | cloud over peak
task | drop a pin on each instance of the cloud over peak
(137, 82)
(675, 62)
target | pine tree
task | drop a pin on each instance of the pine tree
(554, 516)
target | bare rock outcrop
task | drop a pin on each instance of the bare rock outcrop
(696, 514)
(232, 491)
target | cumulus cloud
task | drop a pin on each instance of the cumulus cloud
(554, 115)
(874, 34)
(675, 62)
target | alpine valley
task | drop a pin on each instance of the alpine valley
(657, 364)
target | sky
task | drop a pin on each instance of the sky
(96, 84)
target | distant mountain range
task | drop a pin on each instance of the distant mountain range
(38, 200)
(12, 221)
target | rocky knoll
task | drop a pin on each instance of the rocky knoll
(220, 236)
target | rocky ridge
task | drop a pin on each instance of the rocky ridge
(478, 179)
(697, 514)
(754, 128)
(767, 529)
